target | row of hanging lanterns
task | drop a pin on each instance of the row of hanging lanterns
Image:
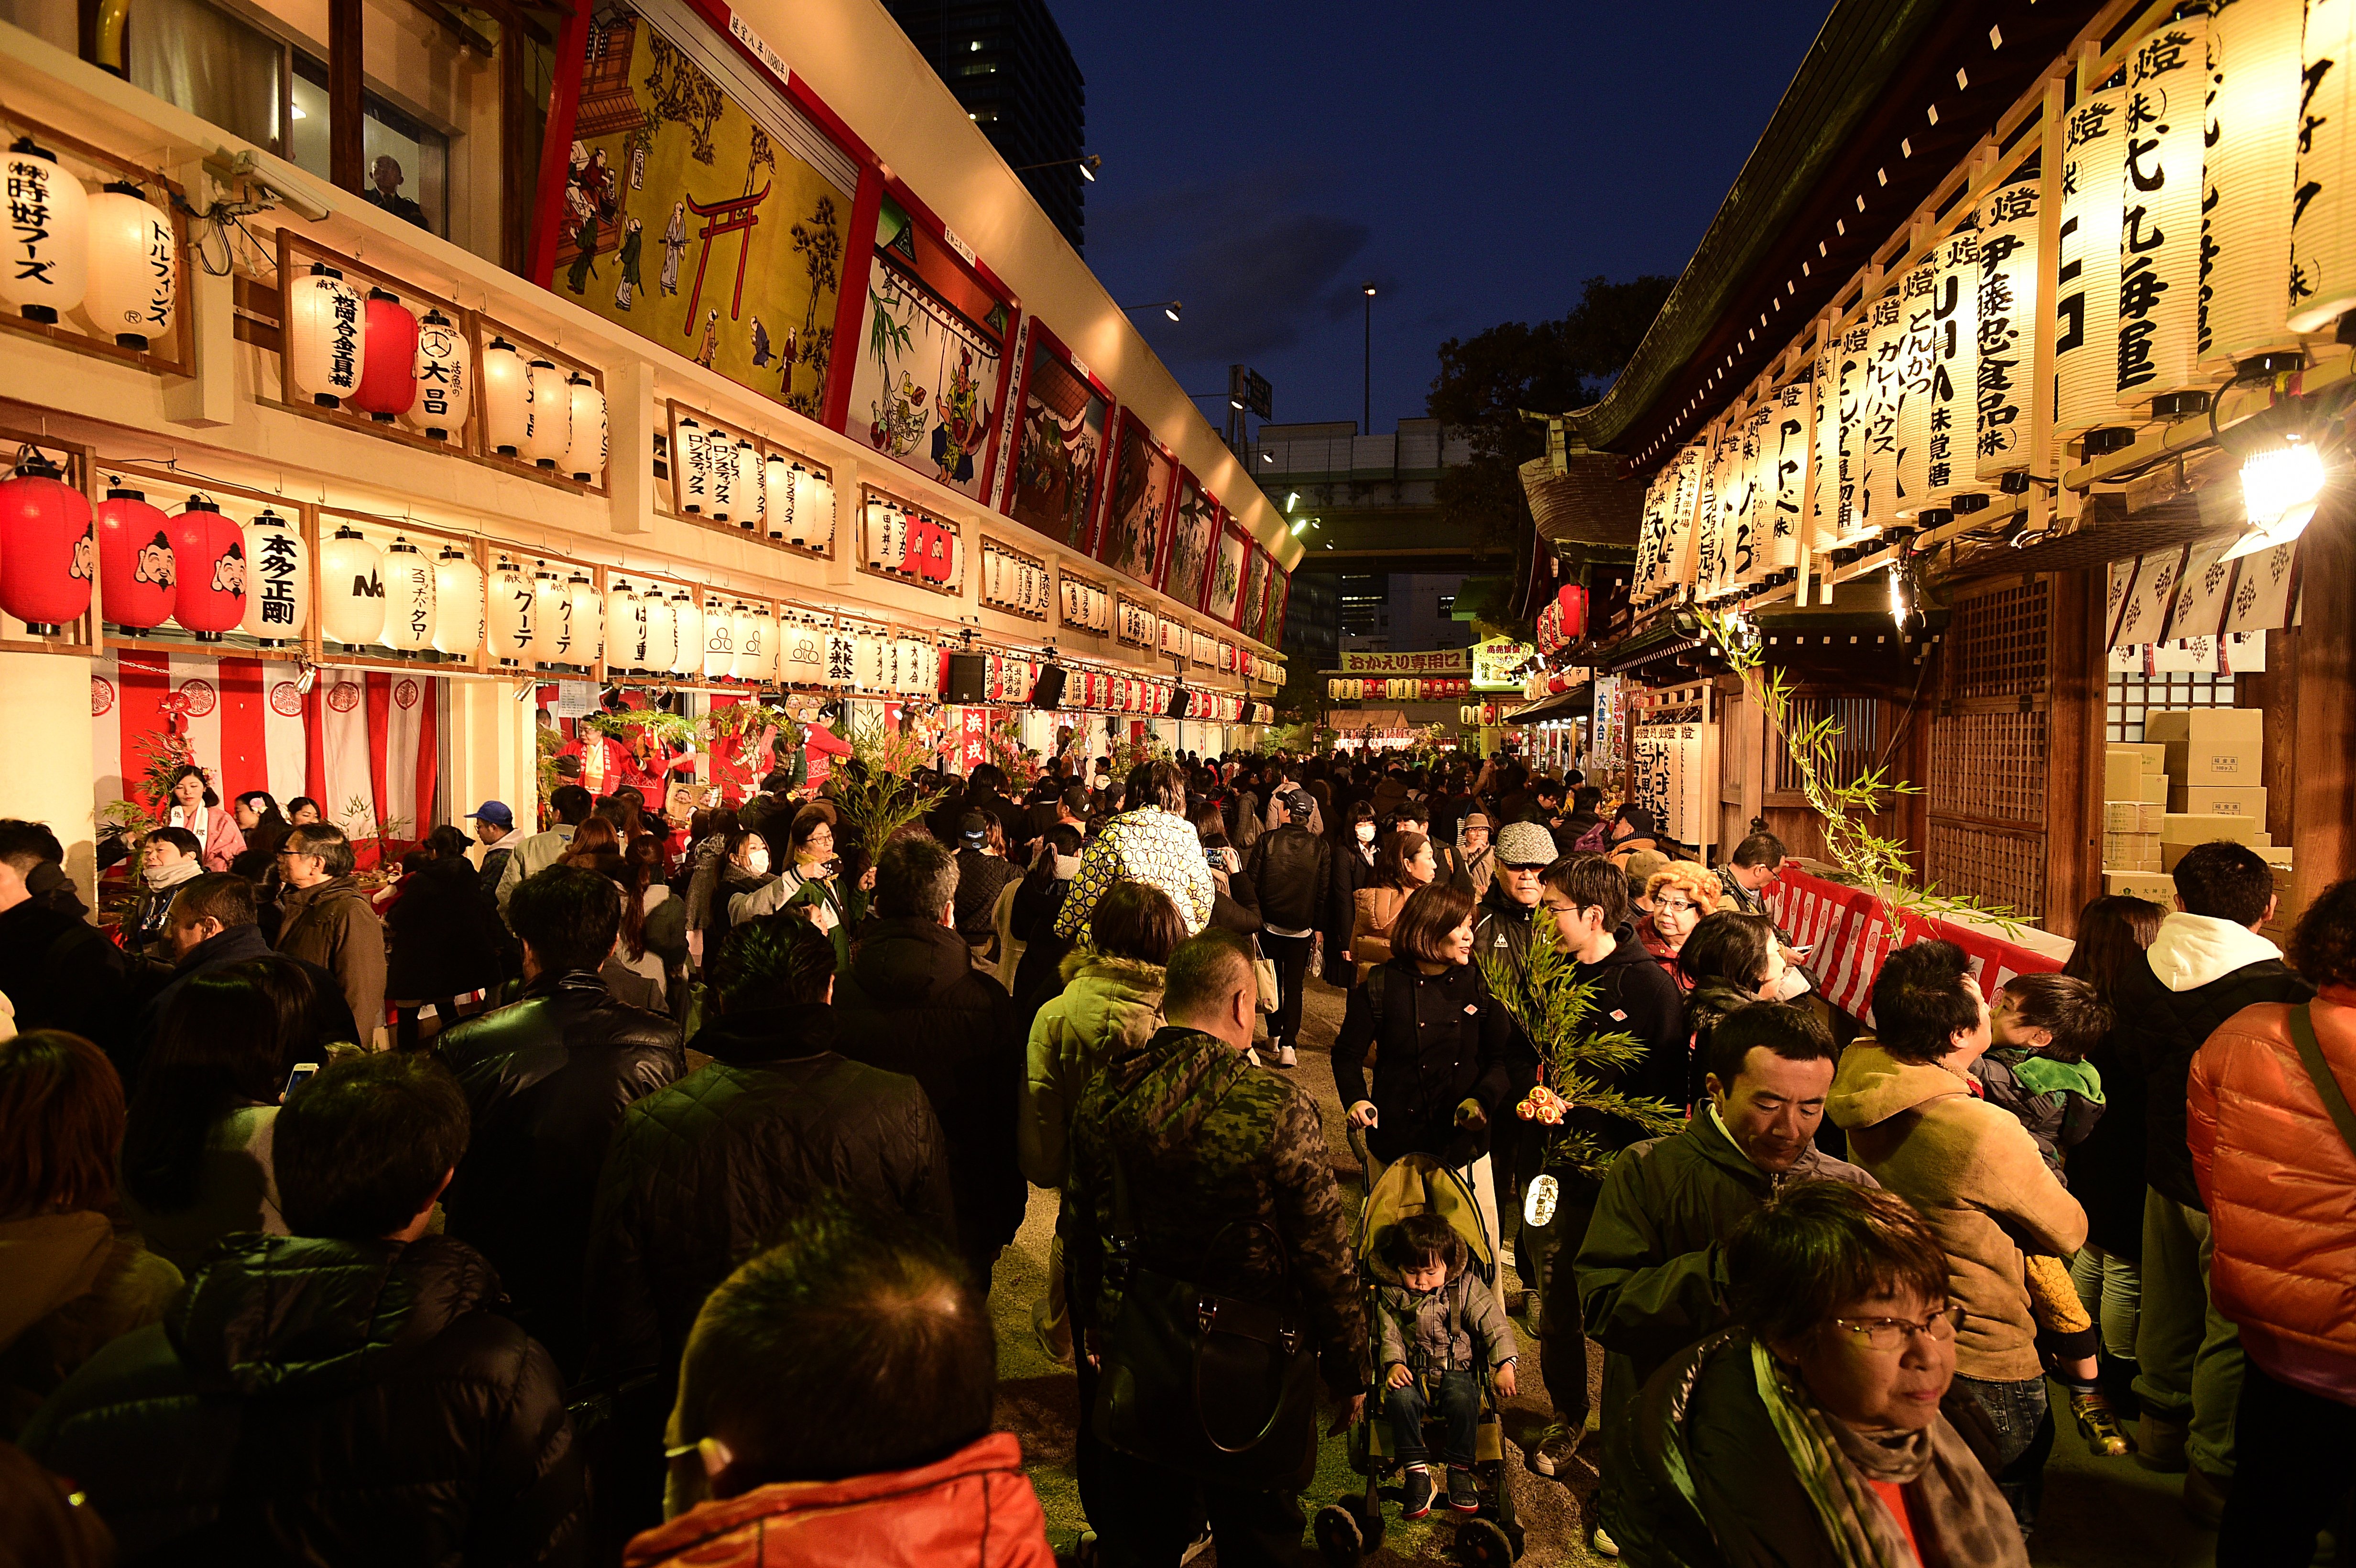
(914, 546)
(1015, 582)
(731, 480)
(1486, 715)
(1397, 688)
(111, 254)
(1563, 620)
(1085, 606)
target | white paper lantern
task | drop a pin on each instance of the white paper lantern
(552, 617)
(351, 589)
(1950, 399)
(1838, 375)
(133, 287)
(814, 509)
(871, 661)
(1791, 444)
(626, 628)
(687, 616)
(514, 613)
(719, 641)
(757, 662)
(801, 651)
(277, 580)
(409, 618)
(777, 495)
(326, 337)
(548, 416)
(1746, 544)
(458, 603)
(662, 630)
(445, 386)
(720, 471)
(1882, 404)
(694, 468)
(2249, 177)
(2323, 223)
(45, 266)
(2086, 308)
(751, 647)
(882, 518)
(587, 621)
(506, 397)
(2007, 314)
(842, 664)
(584, 452)
(1706, 523)
(752, 508)
(2158, 348)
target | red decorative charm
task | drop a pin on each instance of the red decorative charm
(210, 550)
(388, 371)
(48, 547)
(134, 561)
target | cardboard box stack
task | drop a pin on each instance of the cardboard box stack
(2192, 779)
(2132, 819)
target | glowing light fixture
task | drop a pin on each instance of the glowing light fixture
(2279, 487)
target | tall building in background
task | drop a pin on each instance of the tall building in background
(1008, 64)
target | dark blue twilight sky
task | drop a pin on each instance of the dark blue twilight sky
(1477, 159)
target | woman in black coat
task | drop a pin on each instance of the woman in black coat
(444, 937)
(1354, 868)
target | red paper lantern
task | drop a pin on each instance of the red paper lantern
(210, 551)
(1573, 598)
(134, 560)
(48, 547)
(389, 370)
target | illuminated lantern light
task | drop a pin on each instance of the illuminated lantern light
(513, 616)
(2323, 225)
(387, 386)
(882, 521)
(45, 268)
(766, 630)
(551, 618)
(2005, 316)
(750, 500)
(2249, 177)
(458, 604)
(814, 510)
(869, 653)
(801, 651)
(1826, 506)
(133, 287)
(444, 385)
(1950, 398)
(1747, 550)
(587, 621)
(351, 583)
(1881, 395)
(2086, 309)
(720, 477)
(277, 580)
(548, 415)
(585, 452)
(507, 398)
(208, 567)
(777, 495)
(2158, 350)
(626, 628)
(695, 471)
(751, 649)
(411, 584)
(135, 563)
(662, 631)
(719, 641)
(687, 616)
(1918, 316)
(326, 337)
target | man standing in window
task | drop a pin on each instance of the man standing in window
(386, 176)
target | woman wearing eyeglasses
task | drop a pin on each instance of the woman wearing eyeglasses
(1678, 895)
(1826, 1427)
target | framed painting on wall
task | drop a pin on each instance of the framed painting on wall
(1061, 441)
(1251, 602)
(1186, 550)
(1137, 512)
(1280, 588)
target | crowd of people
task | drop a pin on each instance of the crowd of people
(631, 1191)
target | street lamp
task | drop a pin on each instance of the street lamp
(1088, 166)
(1168, 307)
(1368, 428)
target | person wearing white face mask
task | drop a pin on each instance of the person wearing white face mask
(1353, 868)
(744, 872)
(170, 857)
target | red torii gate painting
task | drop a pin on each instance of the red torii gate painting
(736, 215)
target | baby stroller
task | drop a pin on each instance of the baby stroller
(1353, 1526)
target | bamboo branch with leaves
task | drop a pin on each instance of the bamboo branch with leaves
(875, 790)
(1545, 997)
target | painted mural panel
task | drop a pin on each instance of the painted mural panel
(1280, 588)
(1138, 513)
(1226, 590)
(1255, 596)
(701, 209)
(925, 386)
(1194, 527)
(1059, 464)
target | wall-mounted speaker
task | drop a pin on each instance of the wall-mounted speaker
(1179, 699)
(1048, 690)
(968, 680)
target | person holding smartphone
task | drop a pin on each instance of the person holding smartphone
(811, 881)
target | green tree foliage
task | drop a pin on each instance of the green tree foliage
(1486, 382)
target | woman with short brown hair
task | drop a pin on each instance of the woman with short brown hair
(1403, 862)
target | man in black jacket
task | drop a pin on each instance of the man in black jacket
(547, 1080)
(914, 1003)
(2206, 963)
(344, 1394)
(1288, 867)
(58, 970)
(212, 925)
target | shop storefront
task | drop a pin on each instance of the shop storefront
(338, 507)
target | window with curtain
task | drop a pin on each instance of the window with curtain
(218, 68)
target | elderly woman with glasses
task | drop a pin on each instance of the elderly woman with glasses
(1825, 1428)
(1679, 896)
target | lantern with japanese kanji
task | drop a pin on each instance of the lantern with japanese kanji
(693, 460)
(552, 617)
(749, 498)
(719, 645)
(662, 630)
(351, 589)
(277, 580)
(512, 619)
(547, 414)
(325, 349)
(625, 628)
(444, 385)
(457, 604)
(2086, 356)
(208, 564)
(585, 618)
(409, 585)
(687, 618)
(47, 245)
(387, 386)
(135, 276)
(134, 561)
(507, 398)
(585, 452)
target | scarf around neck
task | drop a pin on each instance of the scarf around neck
(1961, 1517)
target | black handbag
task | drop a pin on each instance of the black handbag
(1221, 1389)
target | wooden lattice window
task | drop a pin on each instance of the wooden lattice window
(1990, 761)
(1857, 744)
(2133, 696)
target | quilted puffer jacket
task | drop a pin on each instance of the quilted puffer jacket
(2280, 1183)
(1107, 1005)
(547, 1080)
(701, 1173)
(973, 1509)
(308, 1401)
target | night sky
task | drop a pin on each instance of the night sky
(1476, 160)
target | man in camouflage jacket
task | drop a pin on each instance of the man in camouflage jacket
(1202, 1140)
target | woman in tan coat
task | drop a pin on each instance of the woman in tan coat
(1404, 863)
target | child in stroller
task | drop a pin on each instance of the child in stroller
(1434, 1327)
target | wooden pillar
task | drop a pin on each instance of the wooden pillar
(2323, 717)
(346, 152)
(2077, 678)
(519, 164)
